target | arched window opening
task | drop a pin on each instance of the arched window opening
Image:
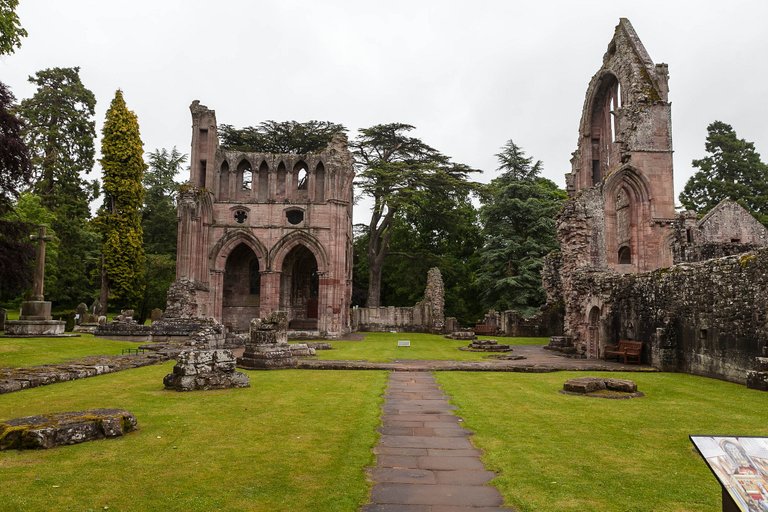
(625, 255)
(263, 182)
(605, 106)
(301, 173)
(224, 180)
(320, 183)
(245, 175)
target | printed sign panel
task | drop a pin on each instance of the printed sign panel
(741, 466)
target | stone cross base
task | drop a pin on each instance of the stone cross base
(35, 310)
(31, 328)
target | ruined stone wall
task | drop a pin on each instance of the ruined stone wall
(708, 318)
(426, 316)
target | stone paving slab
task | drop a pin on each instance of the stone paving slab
(425, 461)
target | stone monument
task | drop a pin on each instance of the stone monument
(35, 319)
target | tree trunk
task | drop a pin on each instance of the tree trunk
(374, 284)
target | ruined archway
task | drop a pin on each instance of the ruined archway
(241, 288)
(300, 288)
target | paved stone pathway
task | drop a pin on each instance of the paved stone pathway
(425, 462)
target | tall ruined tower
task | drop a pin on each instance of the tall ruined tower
(262, 232)
(622, 168)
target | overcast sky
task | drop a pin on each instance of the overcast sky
(468, 75)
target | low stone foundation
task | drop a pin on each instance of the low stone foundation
(50, 430)
(601, 387)
(205, 369)
(16, 379)
(486, 346)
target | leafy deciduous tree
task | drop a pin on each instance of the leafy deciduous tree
(11, 30)
(518, 217)
(732, 170)
(393, 168)
(119, 219)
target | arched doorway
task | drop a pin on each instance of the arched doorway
(242, 289)
(593, 330)
(299, 288)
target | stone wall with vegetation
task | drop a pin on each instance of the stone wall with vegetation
(708, 318)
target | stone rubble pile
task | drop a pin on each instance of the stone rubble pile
(268, 346)
(205, 369)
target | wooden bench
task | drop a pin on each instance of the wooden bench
(627, 350)
(484, 330)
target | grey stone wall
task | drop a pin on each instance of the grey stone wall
(708, 318)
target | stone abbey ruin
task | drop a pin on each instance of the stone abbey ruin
(630, 267)
(261, 233)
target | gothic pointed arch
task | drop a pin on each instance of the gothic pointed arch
(226, 244)
(292, 240)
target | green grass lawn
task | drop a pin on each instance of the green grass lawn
(382, 347)
(16, 352)
(557, 452)
(293, 441)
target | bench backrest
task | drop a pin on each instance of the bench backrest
(633, 347)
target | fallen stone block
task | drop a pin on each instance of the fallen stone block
(50, 430)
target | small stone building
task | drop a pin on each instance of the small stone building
(264, 232)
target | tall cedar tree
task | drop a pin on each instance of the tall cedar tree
(280, 137)
(393, 169)
(518, 216)
(11, 30)
(16, 251)
(59, 133)
(119, 219)
(732, 170)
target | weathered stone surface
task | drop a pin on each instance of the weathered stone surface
(594, 385)
(50, 430)
(268, 344)
(461, 335)
(757, 380)
(584, 385)
(205, 369)
(486, 346)
(16, 379)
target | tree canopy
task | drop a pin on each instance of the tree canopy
(59, 132)
(394, 169)
(11, 31)
(119, 219)
(15, 167)
(733, 170)
(280, 136)
(518, 217)
(158, 216)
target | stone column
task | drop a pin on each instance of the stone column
(37, 287)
